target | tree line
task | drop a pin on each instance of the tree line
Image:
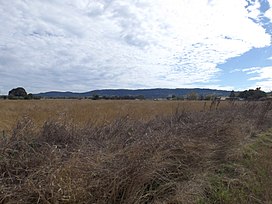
(251, 94)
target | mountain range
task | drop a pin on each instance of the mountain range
(146, 93)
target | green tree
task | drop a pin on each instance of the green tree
(19, 92)
(252, 94)
(232, 94)
(209, 97)
(192, 96)
(95, 97)
(29, 96)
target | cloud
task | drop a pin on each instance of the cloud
(265, 85)
(82, 45)
(263, 73)
(252, 70)
(262, 76)
(234, 70)
(268, 13)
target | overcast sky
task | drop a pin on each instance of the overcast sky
(82, 45)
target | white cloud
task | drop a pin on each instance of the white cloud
(254, 10)
(268, 13)
(263, 73)
(82, 45)
(262, 76)
(252, 70)
(235, 70)
(265, 85)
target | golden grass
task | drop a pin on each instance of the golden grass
(88, 111)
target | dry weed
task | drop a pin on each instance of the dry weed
(161, 160)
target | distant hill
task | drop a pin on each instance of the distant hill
(147, 93)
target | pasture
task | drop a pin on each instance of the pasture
(81, 151)
(89, 111)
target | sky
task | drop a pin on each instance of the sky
(83, 45)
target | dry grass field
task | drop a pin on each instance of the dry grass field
(132, 152)
(89, 111)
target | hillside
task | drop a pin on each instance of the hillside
(147, 93)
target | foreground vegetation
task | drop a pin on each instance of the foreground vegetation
(247, 178)
(206, 156)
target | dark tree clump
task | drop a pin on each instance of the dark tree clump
(17, 93)
(252, 94)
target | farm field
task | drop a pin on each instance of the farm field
(81, 151)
